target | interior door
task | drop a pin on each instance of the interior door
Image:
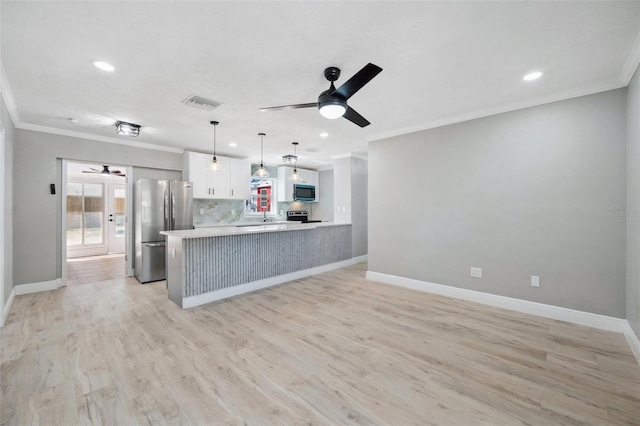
(117, 222)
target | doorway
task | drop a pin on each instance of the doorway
(94, 222)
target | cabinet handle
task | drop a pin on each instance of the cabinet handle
(209, 191)
(213, 191)
(232, 192)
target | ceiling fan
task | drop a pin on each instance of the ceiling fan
(332, 103)
(105, 171)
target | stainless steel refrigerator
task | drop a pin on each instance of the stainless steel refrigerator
(160, 205)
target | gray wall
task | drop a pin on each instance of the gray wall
(324, 208)
(7, 178)
(517, 194)
(342, 189)
(359, 188)
(36, 231)
(633, 203)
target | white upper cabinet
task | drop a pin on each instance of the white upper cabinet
(285, 186)
(233, 181)
(239, 179)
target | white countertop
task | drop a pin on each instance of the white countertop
(226, 225)
(238, 230)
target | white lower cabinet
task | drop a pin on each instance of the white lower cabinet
(232, 182)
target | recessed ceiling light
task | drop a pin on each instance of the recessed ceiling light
(532, 76)
(103, 66)
(233, 144)
(73, 120)
(324, 134)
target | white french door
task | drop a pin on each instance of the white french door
(116, 217)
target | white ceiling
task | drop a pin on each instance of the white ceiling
(443, 62)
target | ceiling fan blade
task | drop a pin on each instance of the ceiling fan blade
(91, 168)
(297, 106)
(356, 118)
(116, 172)
(85, 171)
(359, 79)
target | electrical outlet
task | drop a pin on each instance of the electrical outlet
(476, 272)
(201, 211)
(535, 281)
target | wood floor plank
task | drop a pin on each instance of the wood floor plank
(333, 348)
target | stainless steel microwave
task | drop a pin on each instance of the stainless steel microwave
(304, 192)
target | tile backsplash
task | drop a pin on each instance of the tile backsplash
(231, 211)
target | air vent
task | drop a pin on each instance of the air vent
(201, 103)
(313, 150)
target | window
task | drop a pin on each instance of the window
(85, 214)
(262, 199)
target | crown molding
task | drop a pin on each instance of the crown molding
(349, 155)
(633, 60)
(98, 138)
(569, 94)
(7, 95)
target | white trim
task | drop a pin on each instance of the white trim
(349, 155)
(21, 289)
(3, 260)
(588, 319)
(63, 219)
(5, 89)
(590, 90)
(201, 299)
(633, 341)
(7, 307)
(632, 63)
(89, 136)
(358, 259)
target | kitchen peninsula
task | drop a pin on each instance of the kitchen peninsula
(208, 264)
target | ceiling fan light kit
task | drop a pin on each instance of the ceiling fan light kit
(105, 171)
(332, 103)
(127, 129)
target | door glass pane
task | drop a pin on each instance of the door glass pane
(74, 214)
(118, 212)
(93, 213)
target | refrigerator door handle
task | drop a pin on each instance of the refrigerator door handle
(155, 244)
(166, 210)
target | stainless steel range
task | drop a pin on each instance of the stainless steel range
(300, 216)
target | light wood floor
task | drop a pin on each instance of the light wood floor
(330, 349)
(93, 269)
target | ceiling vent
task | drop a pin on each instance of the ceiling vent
(312, 150)
(201, 103)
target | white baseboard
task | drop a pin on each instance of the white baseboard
(7, 307)
(358, 259)
(21, 289)
(633, 341)
(201, 299)
(588, 319)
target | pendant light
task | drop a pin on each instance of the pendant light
(295, 176)
(214, 166)
(261, 172)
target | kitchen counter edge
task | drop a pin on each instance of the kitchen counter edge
(223, 231)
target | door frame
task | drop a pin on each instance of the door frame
(63, 216)
(2, 219)
(109, 188)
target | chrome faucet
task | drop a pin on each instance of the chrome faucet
(265, 218)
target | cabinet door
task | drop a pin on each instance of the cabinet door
(195, 170)
(239, 179)
(219, 181)
(285, 186)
